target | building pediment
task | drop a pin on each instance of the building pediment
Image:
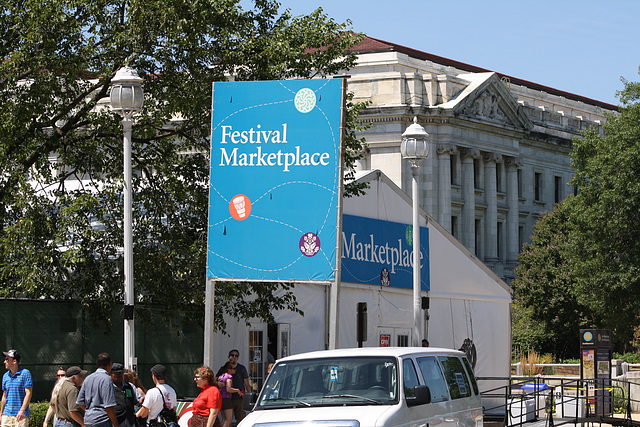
(487, 99)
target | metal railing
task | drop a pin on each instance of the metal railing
(556, 401)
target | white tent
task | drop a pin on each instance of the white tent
(470, 307)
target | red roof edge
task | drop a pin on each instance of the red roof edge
(372, 45)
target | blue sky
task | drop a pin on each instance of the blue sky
(582, 47)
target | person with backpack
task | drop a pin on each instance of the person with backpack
(160, 401)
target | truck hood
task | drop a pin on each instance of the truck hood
(365, 415)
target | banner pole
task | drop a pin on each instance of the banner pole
(209, 322)
(334, 298)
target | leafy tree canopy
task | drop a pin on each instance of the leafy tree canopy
(582, 268)
(545, 297)
(606, 217)
(61, 146)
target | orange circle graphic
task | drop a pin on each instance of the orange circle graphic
(240, 207)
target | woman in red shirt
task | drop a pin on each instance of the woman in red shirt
(207, 405)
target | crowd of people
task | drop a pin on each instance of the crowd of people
(114, 396)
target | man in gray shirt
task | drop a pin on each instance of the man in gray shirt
(97, 397)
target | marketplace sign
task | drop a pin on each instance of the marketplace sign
(275, 153)
(376, 252)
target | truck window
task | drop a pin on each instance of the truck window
(456, 377)
(359, 380)
(410, 377)
(432, 374)
(472, 376)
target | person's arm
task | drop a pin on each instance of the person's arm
(111, 412)
(230, 387)
(50, 412)
(25, 403)
(77, 417)
(142, 412)
(4, 400)
(213, 413)
(247, 385)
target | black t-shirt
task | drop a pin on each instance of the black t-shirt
(125, 403)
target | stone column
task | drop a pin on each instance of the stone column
(491, 215)
(468, 223)
(512, 164)
(444, 152)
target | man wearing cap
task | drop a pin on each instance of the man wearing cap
(68, 413)
(161, 394)
(17, 387)
(97, 397)
(125, 397)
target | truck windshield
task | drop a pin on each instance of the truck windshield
(331, 382)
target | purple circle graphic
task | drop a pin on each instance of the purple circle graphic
(309, 244)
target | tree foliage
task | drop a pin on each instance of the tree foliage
(607, 216)
(545, 289)
(582, 268)
(61, 146)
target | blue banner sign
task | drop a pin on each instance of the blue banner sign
(274, 180)
(379, 252)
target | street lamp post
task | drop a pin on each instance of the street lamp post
(415, 148)
(127, 98)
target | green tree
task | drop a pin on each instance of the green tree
(545, 289)
(607, 215)
(60, 145)
(582, 267)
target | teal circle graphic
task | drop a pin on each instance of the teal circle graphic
(588, 336)
(305, 100)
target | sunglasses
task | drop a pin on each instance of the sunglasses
(60, 375)
(234, 355)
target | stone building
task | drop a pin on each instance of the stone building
(500, 145)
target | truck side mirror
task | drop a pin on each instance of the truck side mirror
(421, 396)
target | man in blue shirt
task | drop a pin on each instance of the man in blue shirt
(17, 387)
(97, 397)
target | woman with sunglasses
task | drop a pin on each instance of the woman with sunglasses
(60, 376)
(226, 389)
(206, 406)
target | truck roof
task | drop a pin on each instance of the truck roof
(372, 351)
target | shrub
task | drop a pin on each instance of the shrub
(37, 412)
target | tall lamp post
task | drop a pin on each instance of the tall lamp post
(127, 98)
(415, 148)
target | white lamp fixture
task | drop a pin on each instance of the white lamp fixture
(415, 148)
(127, 98)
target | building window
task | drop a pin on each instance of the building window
(537, 186)
(520, 238)
(520, 181)
(557, 187)
(477, 184)
(453, 161)
(454, 226)
(478, 239)
(500, 248)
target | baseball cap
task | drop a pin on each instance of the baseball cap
(75, 370)
(12, 353)
(159, 371)
(117, 368)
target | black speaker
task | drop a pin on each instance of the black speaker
(425, 303)
(361, 322)
(128, 312)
